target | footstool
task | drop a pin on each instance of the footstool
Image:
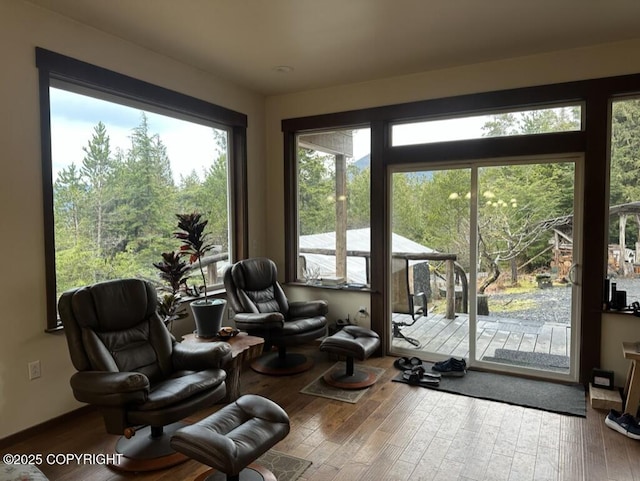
(230, 440)
(352, 342)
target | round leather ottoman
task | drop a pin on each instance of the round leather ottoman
(352, 342)
(231, 439)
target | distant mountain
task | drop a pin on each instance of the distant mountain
(364, 162)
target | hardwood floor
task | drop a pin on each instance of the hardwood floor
(395, 432)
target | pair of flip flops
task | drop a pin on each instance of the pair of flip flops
(419, 376)
(407, 363)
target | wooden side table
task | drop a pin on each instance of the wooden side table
(243, 348)
(632, 386)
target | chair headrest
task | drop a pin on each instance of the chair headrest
(114, 305)
(254, 274)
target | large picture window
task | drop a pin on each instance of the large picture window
(119, 166)
(623, 261)
(333, 172)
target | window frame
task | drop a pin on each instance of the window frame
(54, 67)
(592, 140)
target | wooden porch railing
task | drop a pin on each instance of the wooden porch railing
(452, 268)
(211, 263)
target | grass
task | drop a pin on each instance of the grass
(503, 303)
(495, 305)
(519, 289)
(510, 305)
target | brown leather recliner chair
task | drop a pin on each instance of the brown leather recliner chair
(132, 368)
(262, 309)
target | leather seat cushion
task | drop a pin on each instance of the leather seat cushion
(352, 341)
(181, 386)
(294, 327)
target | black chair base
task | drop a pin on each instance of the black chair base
(341, 379)
(351, 342)
(144, 452)
(274, 364)
(254, 472)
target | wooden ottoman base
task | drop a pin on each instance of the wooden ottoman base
(344, 380)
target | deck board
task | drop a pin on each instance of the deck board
(543, 341)
(559, 341)
(513, 341)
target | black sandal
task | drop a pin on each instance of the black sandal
(416, 379)
(405, 363)
(420, 370)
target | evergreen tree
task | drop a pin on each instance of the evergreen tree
(145, 196)
(69, 198)
(215, 200)
(358, 197)
(97, 170)
(116, 214)
(533, 122)
(316, 192)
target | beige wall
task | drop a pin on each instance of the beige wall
(600, 61)
(617, 328)
(25, 403)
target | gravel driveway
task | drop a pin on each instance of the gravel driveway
(553, 304)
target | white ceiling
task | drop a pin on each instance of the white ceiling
(331, 42)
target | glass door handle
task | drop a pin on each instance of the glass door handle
(572, 274)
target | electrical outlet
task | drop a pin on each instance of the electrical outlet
(34, 370)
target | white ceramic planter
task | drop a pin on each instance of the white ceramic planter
(208, 316)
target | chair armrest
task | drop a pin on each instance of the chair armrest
(199, 356)
(246, 321)
(308, 308)
(110, 388)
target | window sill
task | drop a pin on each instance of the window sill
(217, 293)
(342, 287)
(54, 330)
(615, 311)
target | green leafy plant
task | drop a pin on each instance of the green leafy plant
(195, 241)
(174, 271)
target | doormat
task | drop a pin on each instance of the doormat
(531, 393)
(319, 387)
(283, 466)
(541, 360)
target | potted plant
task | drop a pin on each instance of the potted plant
(207, 313)
(174, 271)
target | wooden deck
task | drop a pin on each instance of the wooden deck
(545, 346)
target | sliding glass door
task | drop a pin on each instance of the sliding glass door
(485, 264)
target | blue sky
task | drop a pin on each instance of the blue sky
(73, 118)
